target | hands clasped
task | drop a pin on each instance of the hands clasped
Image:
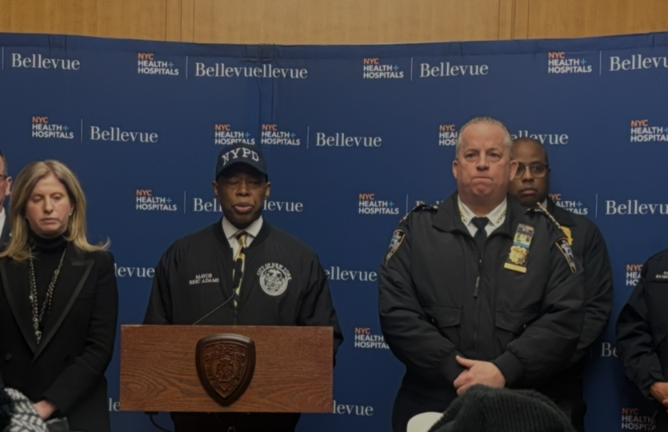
(478, 372)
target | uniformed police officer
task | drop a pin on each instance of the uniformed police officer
(530, 186)
(642, 327)
(479, 290)
(255, 273)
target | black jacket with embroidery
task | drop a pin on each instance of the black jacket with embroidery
(642, 327)
(195, 275)
(527, 324)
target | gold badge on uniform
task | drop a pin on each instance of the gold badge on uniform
(519, 251)
(568, 233)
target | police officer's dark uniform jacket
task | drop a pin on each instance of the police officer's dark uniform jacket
(642, 327)
(588, 245)
(439, 299)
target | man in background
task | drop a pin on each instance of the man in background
(5, 191)
(530, 186)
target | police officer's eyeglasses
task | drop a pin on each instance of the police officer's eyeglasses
(536, 170)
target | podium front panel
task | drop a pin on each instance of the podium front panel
(293, 369)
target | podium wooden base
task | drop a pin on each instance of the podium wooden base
(293, 371)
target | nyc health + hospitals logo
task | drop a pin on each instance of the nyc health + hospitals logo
(146, 200)
(562, 63)
(636, 420)
(224, 134)
(633, 274)
(643, 131)
(375, 68)
(44, 128)
(366, 339)
(573, 206)
(372, 206)
(149, 64)
(273, 135)
(447, 135)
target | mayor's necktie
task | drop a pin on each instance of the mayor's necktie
(239, 264)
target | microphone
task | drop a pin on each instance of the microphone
(209, 314)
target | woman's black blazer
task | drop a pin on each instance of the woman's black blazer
(68, 366)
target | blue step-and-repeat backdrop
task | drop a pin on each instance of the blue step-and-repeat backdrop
(355, 136)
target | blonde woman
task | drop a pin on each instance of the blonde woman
(58, 301)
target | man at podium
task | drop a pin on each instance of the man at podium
(241, 271)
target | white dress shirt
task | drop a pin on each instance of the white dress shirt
(230, 232)
(496, 217)
(3, 218)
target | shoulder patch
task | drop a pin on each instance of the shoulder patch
(420, 207)
(397, 240)
(565, 249)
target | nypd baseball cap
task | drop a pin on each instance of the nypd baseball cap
(241, 153)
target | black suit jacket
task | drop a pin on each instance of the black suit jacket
(68, 366)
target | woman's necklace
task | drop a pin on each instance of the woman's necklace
(37, 315)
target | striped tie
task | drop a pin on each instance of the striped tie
(239, 262)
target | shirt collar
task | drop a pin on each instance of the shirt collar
(496, 216)
(253, 229)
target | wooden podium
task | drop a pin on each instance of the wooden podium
(293, 369)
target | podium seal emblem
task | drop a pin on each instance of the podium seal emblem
(225, 366)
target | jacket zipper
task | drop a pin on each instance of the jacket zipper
(476, 293)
